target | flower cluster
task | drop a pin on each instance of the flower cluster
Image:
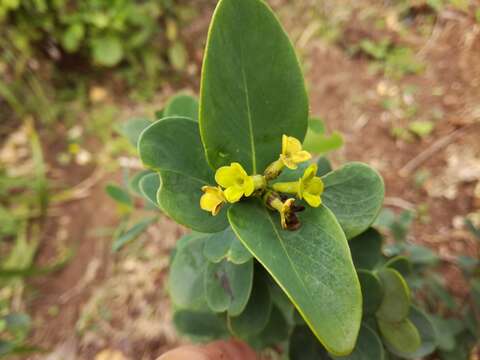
(234, 183)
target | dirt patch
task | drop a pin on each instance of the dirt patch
(104, 301)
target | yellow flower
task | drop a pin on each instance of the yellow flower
(311, 186)
(292, 153)
(236, 182)
(212, 200)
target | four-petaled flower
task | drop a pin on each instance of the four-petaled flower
(236, 182)
(292, 153)
(212, 200)
(310, 186)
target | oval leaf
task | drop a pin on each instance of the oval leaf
(395, 304)
(200, 326)
(182, 105)
(132, 129)
(371, 290)
(401, 264)
(252, 90)
(355, 194)
(427, 336)
(257, 313)
(305, 346)
(185, 281)
(276, 331)
(400, 336)
(369, 346)
(225, 245)
(228, 286)
(312, 265)
(134, 181)
(366, 249)
(179, 197)
(149, 185)
(173, 147)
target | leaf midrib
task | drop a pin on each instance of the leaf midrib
(249, 116)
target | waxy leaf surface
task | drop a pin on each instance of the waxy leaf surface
(149, 185)
(228, 286)
(366, 249)
(182, 105)
(371, 290)
(252, 90)
(312, 265)
(369, 347)
(185, 281)
(395, 304)
(200, 326)
(172, 146)
(354, 193)
(427, 333)
(401, 336)
(225, 245)
(257, 313)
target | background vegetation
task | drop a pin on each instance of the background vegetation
(399, 79)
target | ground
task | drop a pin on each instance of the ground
(102, 300)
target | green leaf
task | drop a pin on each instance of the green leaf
(179, 197)
(185, 282)
(225, 245)
(18, 324)
(132, 129)
(149, 185)
(354, 193)
(182, 105)
(324, 166)
(369, 346)
(321, 143)
(427, 336)
(200, 326)
(276, 331)
(317, 142)
(395, 304)
(73, 36)
(134, 181)
(178, 55)
(366, 249)
(107, 51)
(252, 90)
(305, 346)
(400, 336)
(316, 125)
(421, 255)
(121, 197)
(372, 291)
(173, 147)
(174, 144)
(446, 330)
(421, 128)
(312, 265)
(228, 286)
(257, 313)
(132, 233)
(401, 264)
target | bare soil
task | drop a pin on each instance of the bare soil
(106, 301)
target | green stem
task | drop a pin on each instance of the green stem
(286, 187)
